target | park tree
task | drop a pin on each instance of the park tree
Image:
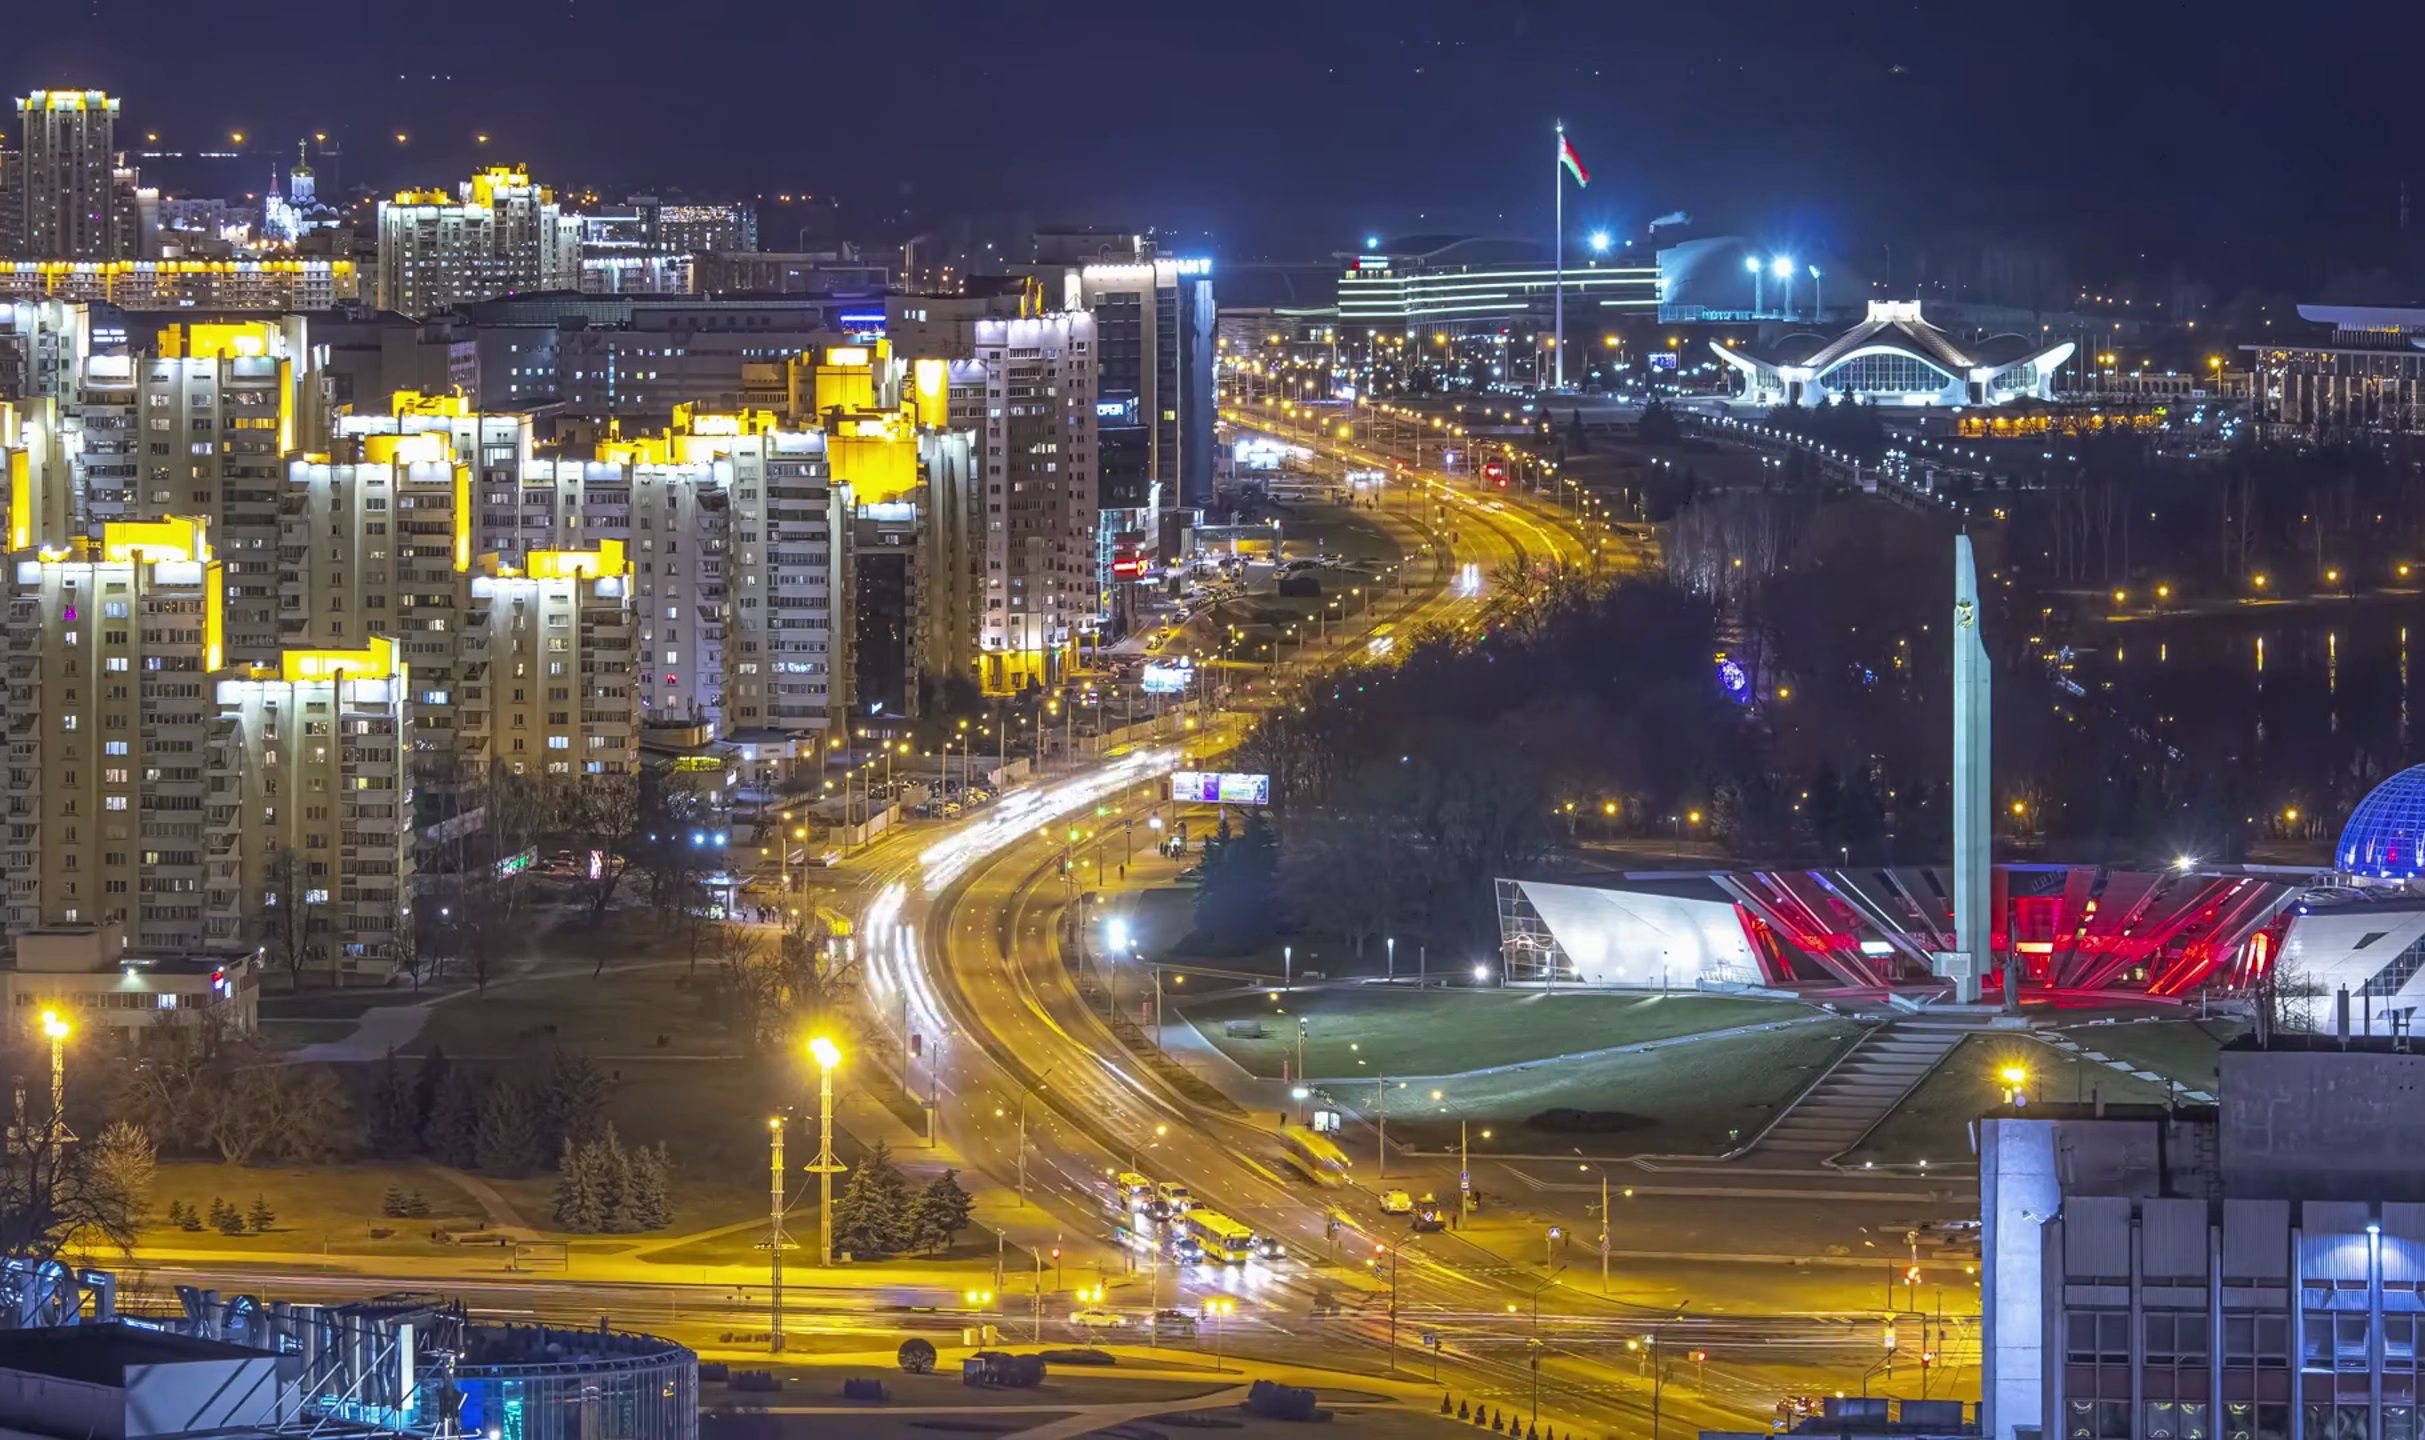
(648, 1192)
(429, 1083)
(939, 1213)
(580, 1198)
(452, 1135)
(281, 926)
(600, 816)
(126, 1161)
(572, 1101)
(505, 1140)
(392, 1127)
(871, 1215)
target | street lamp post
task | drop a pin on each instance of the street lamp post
(774, 1229)
(56, 1027)
(827, 1055)
(1217, 1307)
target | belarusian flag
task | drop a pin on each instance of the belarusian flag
(1573, 162)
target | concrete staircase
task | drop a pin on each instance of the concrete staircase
(1859, 1091)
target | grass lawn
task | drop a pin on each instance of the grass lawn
(645, 1012)
(1370, 1030)
(1933, 1124)
(347, 1004)
(2182, 1050)
(709, 1114)
(1694, 1099)
(281, 1030)
(333, 1207)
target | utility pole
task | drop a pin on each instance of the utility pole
(774, 1227)
(1380, 1115)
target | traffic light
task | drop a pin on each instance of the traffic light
(1700, 1357)
(1055, 1254)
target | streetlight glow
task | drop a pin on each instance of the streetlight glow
(53, 1026)
(1599, 242)
(826, 1053)
(1781, 267)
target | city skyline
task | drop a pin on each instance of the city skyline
(2113, 134)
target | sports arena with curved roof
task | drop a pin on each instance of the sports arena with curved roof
(2074, 931)
(1895, 357)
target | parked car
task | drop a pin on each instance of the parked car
(1099, 1320)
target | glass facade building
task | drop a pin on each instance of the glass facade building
(533, 1382)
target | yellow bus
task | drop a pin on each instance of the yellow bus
(1384, 639)
(1315, 1156)
(1224, 1241)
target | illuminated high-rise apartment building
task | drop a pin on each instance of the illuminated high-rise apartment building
(202, 428)
(375, 546)
(109, 646)
(548, 665)
(71, 199)
(309, 810)
(1038, 489)
(502, 232)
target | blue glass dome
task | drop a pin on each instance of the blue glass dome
(2386, 833)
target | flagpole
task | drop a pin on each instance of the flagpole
(1557, 179)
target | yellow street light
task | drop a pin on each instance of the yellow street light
(54, 1026)
(2020, 807)
(826, 1053)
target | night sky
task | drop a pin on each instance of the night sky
(2231, 133)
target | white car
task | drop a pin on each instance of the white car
(1099, 1320)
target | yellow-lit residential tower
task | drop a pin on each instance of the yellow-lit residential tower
(109, 646)
(310, 811)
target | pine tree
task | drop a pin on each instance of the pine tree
(579, 1203)
(648, 1204)
(392, 1203)
(429, 1086)
(395, 1117)
(451, 1137)
(572, 1102)
(226, 1216)
(177, 1211)
(614, 1181)
(416, 1205)
(941, 1211)
(870, 1211)
(508, 1133)
(896, 1198)
(261, 1217)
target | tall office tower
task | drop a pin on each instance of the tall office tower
(310, 809)
(1154, 329)
(110, 646)
(501, 232)
(67, 185)
(547, 688)
(212, 416)
(43, 348)
(1038, 447)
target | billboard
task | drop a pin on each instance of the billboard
(1217, 787)
(1663, 360)
(1167, 677)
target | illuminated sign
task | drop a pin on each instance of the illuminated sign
(1128, 567)
(1167, 677)
(1212, 787)
(1663, 360)
(516, 863)
(861, 324)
